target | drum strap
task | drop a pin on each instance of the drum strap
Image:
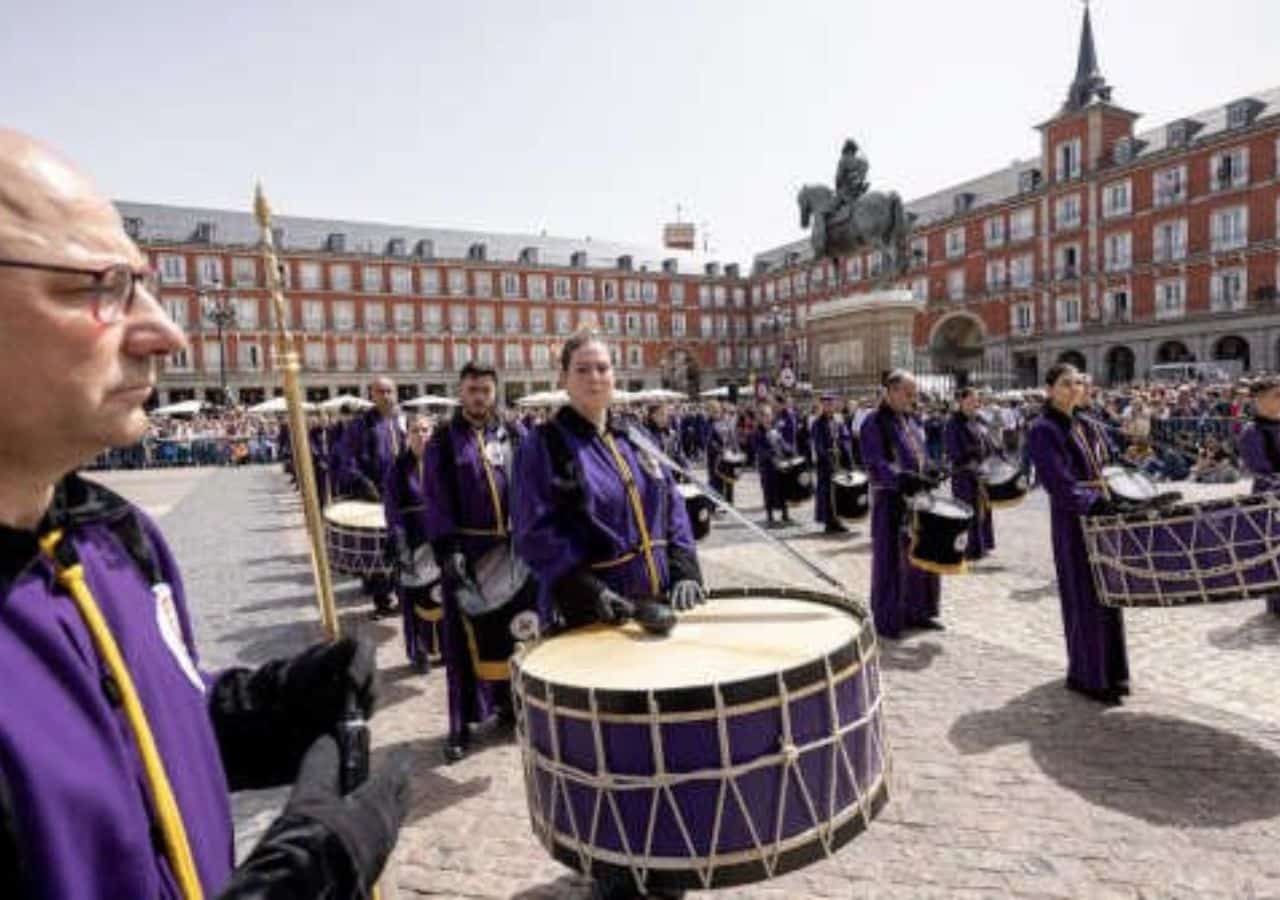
(637, 511)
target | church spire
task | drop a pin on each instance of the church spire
(1089, 83)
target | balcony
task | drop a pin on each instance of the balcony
(1169, 197)
(1223, 241)
(1066, 273)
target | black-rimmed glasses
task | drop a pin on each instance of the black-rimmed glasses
(113, 290)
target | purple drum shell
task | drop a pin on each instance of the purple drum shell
(1153, 559)
(689, 738)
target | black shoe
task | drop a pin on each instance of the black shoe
(1122, 688)
(835, 528)
(931, 625)
(1105, 696)
(506, 718)
(422, 666)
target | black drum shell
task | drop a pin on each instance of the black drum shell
(850, 494)
(938, 541)
(796, 479)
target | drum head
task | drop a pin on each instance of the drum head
(998, 471)
(725, 641)
(734, 456)
(941, 506)
(356, 514)
(850, 479)
(1129, 484)
(688, 491)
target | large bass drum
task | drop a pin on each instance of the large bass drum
(749, 743)
(355, 534)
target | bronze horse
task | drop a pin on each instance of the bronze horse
(875, 221)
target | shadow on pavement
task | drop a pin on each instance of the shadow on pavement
(1163, 770)
(432, 791)
(341, 596)
(1035, 594)
(903, 657)
(289, 559)
(1263, 630)
(566, 886)
(262, 643)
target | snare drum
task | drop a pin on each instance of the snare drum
(731, 463)
(939, 533)
(698, 505)
(797, 480)
(1129, 485)
(1005, 483)
(355, 534)
(747, 743)
(850, 491)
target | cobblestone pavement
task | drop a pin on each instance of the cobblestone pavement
(1004, 784)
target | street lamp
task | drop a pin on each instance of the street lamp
(219, 311)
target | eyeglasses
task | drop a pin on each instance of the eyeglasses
(113, 290)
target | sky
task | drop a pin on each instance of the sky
(588, 118)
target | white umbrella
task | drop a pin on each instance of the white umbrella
(660, 395)
(345, 401)
(184, 408)
(278, 405)
(720, 393)
(544, 398)
(429, 400)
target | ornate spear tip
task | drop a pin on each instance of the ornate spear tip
(261, 209)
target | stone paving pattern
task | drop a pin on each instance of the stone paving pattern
(1004, 784)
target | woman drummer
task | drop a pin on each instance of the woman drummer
(1069, 456)
(1260, 446)
(967, 448)
(598, 519)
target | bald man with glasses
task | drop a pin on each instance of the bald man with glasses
(116, 750)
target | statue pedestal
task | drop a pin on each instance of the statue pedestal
(854, 340)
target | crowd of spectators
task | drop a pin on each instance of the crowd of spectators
(231, 437)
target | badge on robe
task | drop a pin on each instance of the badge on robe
(171, 631)
(496, 453)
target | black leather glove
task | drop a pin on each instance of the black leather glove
(325, 845)
(612, 608)
(1104, 506)
(687, 594)
(367, 490)
(265, 719)
(655, 618)
(913, 483)
(453, 568)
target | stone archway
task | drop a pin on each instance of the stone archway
(1232, 347)
(956, 343)
(1120, 365)
(1074, 358)
(1174, 352)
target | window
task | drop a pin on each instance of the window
(920, 289)
(345, 356)
(611, 323)
(404, 317)
(313, 315)
(208, 270)
(1068, 313)
(513, 355)
(459, 318)
(313, 355)
(1118, 252)
(784, 288)
(1169, 185)
(434, 356)
(482, 284)
(635, 356)
(562, 287)
(484, 354)
(511, 319)
(309, 276)
(675, 290)
(1230, 228)
(344, 315)
(458, 282)
(375, 317)
(1067, 261)
(631, 291)
(1229, 169)
(1169, 240)
(538, 321)
(432, 318)
(633, 323)
(429, 281)
(541, 356)
(1022, 270)
(536, 286)
(995, 231)
(401, 280)
(996, 278)
(817, 277)
(510, 284)
(1117, 308)
(1067, 157)
(739, 297)
(875, 264)
(1067, 212)
(484, 320)
(1170, 298)
(176, 307)
(371, 280)
(1116, 200)
(769, 290)
(677, 324)
(173, 269)
(1227, 290)
(1022, 318)
(651, 324)
(179, 362)
(724, 356)
(564, 321)
(244, 272)
(719, 296)
(406, 356)
(919, 251)
(799, 284)
(1022, 224)
(375, 354)
(586, 290)
(852, 271)
(955, 284)
(609, 290)
(614, 357)
(706, 326)
(340, 277)
(955, 242)
(461, 355)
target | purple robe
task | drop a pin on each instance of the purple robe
(723, 435)
(770, 446)
(967, 447)
(1068, 458)
(1259, 445)
(371, 443)
(68, 756)
(901, 594)
(589, 526)
(824, 452)
(404, 500)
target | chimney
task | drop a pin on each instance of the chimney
(624, 262)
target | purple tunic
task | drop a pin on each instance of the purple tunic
(901, 594)
(967, 447)
(404, 500)
(67, 753)
(371, 443)
(1260, 450)
(1068, 460)
(824, 453)
(770, 446)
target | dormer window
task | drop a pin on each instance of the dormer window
(133, 227)
(1177, 134)
(1240, 114)
(1028, 180)
(1123, 151)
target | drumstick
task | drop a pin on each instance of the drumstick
(642, 441)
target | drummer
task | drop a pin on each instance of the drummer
(892, 443)
(771, 447)
(825, 452)
(657, 421)
(404, 498)
(598, 520)
(723, 438)
(467, 495)
(1260, 446)
(1069, 460)
(968, 447)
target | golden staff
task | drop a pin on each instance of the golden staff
(287, 362)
